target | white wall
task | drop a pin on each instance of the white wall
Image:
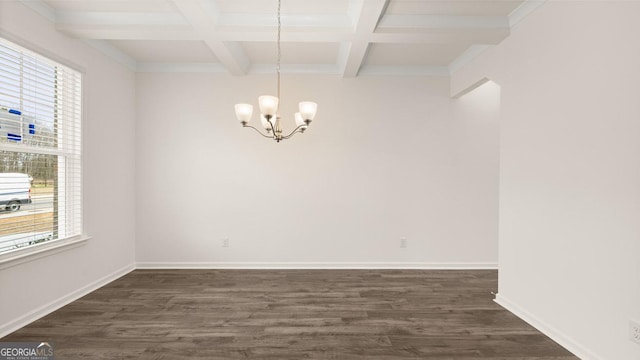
(32, 289)
(386, 158)
(569, 172)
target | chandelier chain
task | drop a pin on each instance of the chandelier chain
(279, 50)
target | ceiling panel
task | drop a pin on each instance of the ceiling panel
(413, 54)
(112, 5)
(292, 52)
(166, 51)
(453, 7)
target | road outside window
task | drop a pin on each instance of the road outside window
(27, 197)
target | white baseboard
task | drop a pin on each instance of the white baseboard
(46, 309)
(317, 265)
(556, 335)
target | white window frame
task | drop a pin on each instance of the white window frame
(69, 151)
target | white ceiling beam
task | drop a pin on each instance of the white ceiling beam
(353, 10)
(120, 18)
(211, 9)
(128, 32)
(41, 8)
(248, 21)
(214, 68)
(522, 11)
(343, 55)
(466, 57)
(231, 55)
(325, 69)
(368, 17)
(478, 36)
(217, 68)
(269, 33)
(354, 56)
(105, 32)
(201, 14)
(111, 51)
(194, 12)
(390, 23)
(405, 70)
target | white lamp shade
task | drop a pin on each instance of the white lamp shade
(268, 104)
(244, 112)
(300, 120)
(265, 123)
(308, 109)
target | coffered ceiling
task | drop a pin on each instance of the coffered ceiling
(343, 37)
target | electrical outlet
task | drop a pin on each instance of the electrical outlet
(225, 242)
(403, 243)
(634, 331)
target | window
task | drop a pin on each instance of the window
(40, 150)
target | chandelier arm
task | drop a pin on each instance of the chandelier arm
(295, 131)
(291, 135)
(273, 129)
(259, 132)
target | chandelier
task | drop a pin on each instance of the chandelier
(269, 116)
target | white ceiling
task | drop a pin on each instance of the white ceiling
(344, 37)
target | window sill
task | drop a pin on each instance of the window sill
(21, 256)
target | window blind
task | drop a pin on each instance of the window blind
(40, 141)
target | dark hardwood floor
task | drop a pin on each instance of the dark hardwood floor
(292, 314)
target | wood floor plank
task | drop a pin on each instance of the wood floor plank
(293, 314)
